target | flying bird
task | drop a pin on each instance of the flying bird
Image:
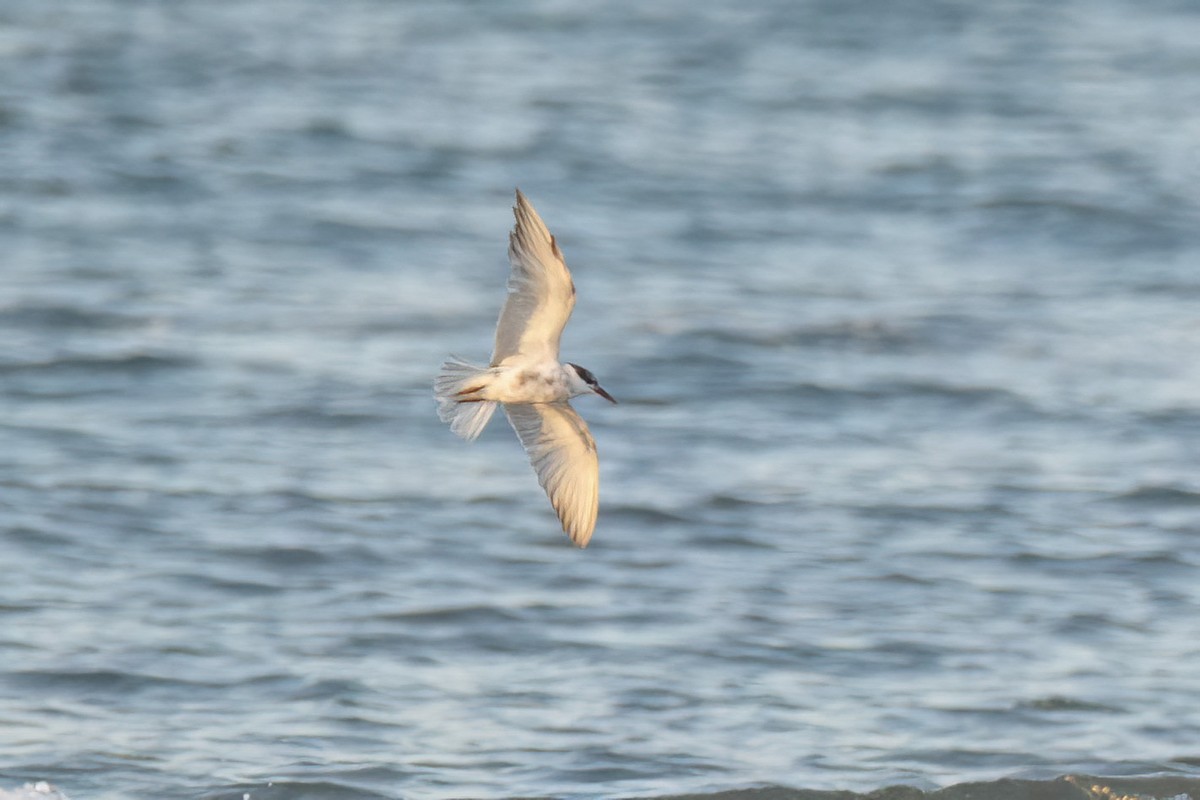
(526, 377)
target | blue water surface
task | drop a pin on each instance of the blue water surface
(901, 302)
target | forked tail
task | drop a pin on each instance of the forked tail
(456, 389)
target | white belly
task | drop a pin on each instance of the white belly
(542, 383)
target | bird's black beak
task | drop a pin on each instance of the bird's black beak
(604, 394)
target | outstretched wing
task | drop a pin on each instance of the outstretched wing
(563, 454)
(540, 291)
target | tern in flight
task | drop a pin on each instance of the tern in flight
(526, 377)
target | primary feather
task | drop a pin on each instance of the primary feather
(563, 454)
(541, 294)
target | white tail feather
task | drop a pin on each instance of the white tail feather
(467, 417)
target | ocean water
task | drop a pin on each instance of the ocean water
(901, 302)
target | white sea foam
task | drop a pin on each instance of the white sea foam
(33, 791)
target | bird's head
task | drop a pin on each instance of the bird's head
(584, 382)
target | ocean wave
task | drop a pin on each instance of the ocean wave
(123, 363)
(1066, 787)
(864, 333)
(93, 682)
(1159, 496)
(57, 318)
(1087, 224)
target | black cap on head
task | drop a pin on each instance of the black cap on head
(586, 374)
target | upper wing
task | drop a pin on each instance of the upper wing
(540, 291)
(563, 454)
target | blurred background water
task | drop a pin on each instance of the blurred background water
(900, 300)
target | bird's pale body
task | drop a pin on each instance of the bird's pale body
(526, 378)
(519, 380)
